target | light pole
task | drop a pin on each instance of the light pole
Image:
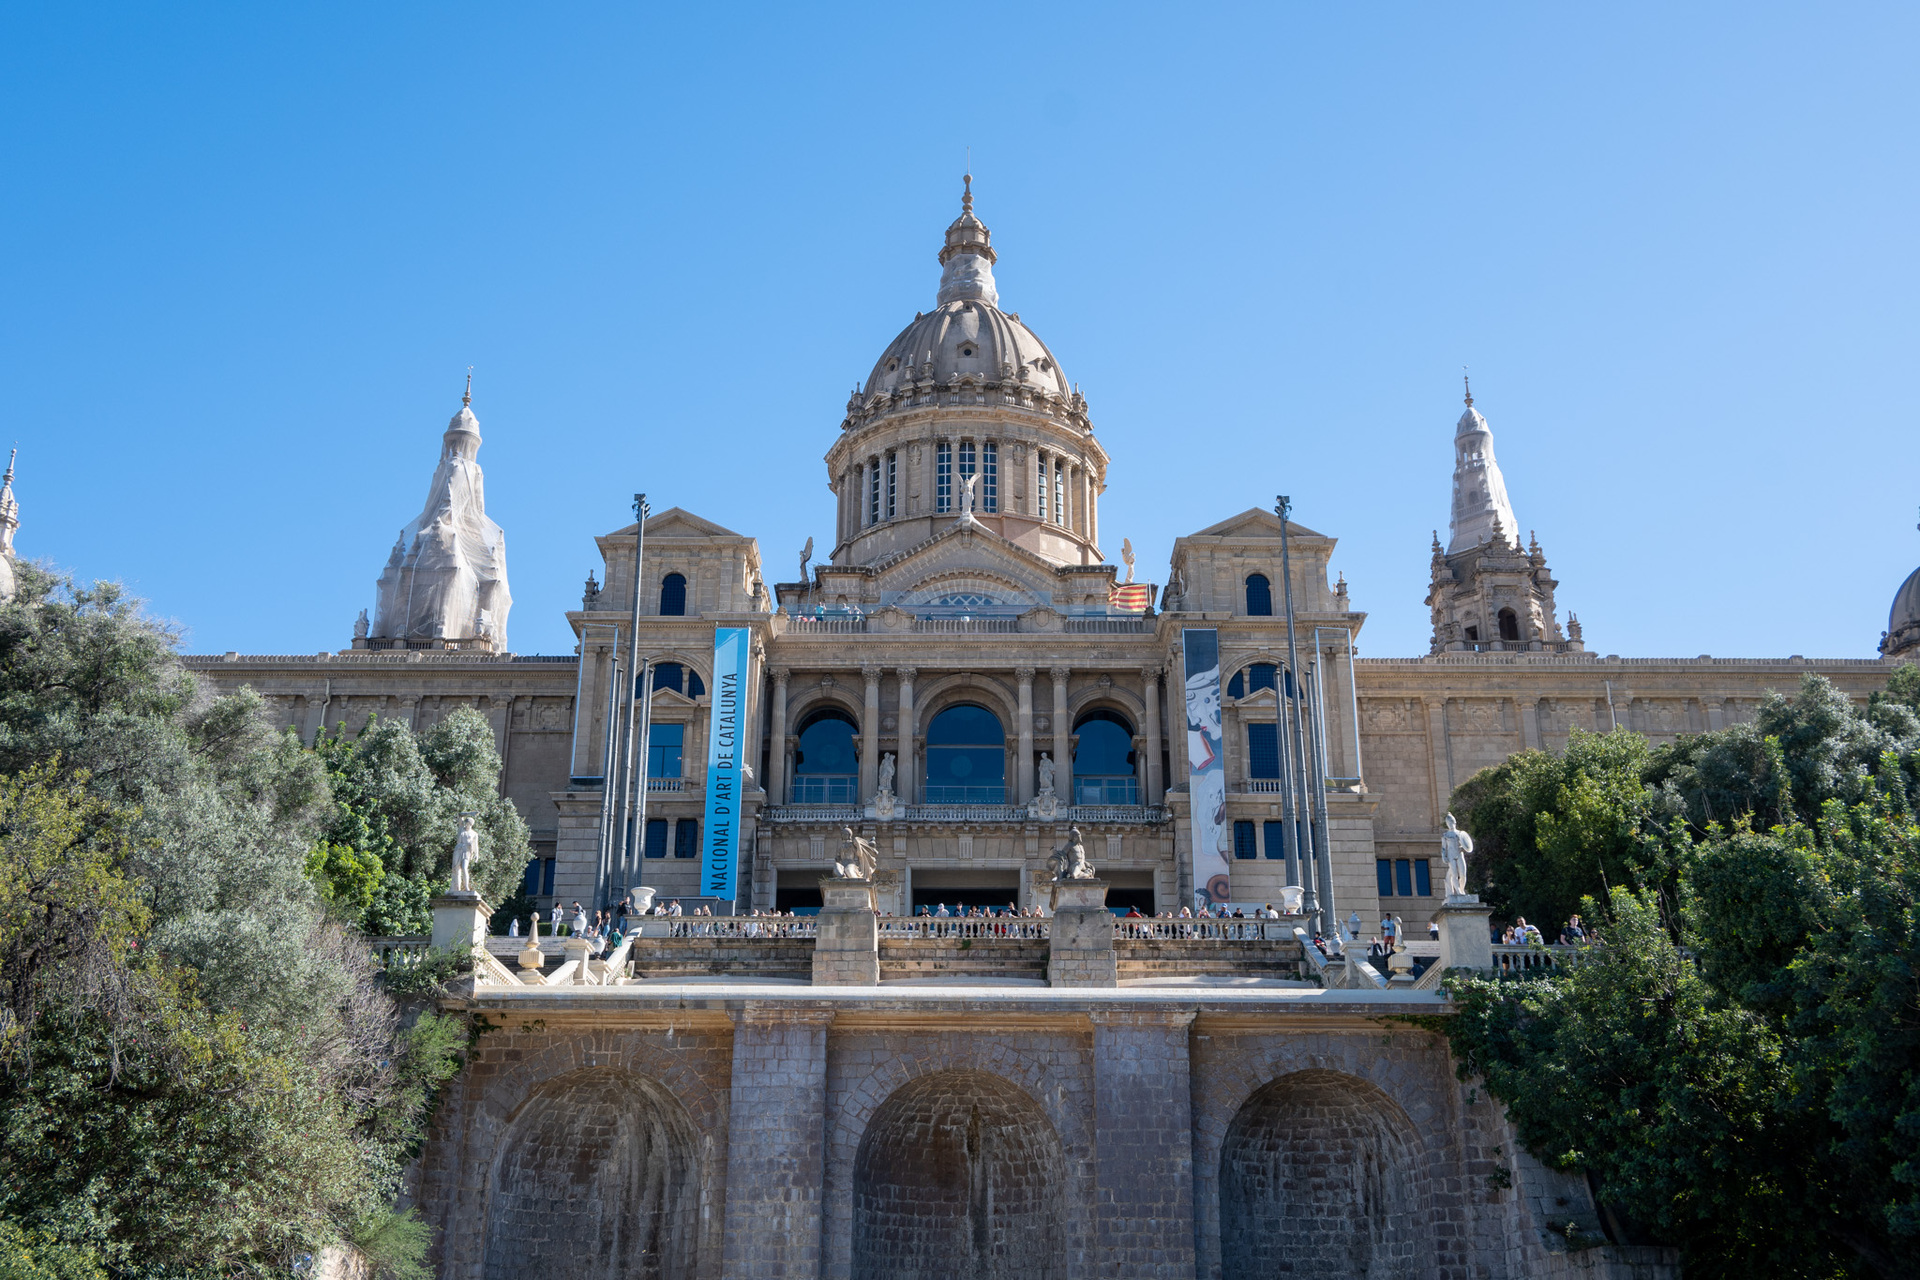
(1296, 764)
(626, 829)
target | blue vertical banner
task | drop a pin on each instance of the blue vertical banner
(726, 739)
(1206, 765)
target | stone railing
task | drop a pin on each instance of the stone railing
(800, 624)
(967, 626)
(1108, 626)
(1138, 815)
(666, 784)
(1526, 958)
(966, 813)
(731, 926)
(1119, 814)
(840, 813)
(987, 927)
(399, 952)
(1212, 930)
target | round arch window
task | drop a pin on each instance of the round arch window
(826, 768)
(966, 757)
(1103, 759)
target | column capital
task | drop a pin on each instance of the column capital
(780, 674)
(1059, 674)
(872, 671)
(1150, 674)
(906, 674)
(1025, 674)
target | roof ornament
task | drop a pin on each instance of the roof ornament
(1468, 383)
(467, 399)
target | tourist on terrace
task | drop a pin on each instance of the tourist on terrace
(553, 928)
(1574, 934)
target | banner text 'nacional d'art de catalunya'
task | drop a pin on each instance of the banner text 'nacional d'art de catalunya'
(1206, 769)
(725, 741)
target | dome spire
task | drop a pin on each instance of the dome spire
(1481, 511)
(1468, 383)
(467, 399)
(967, 257)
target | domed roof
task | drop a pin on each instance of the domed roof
(1903, 621)
(966, 336)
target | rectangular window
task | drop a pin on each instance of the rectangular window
(546, 876)
(989, 476)
(664, 745)
(1403, 877)
(1040, 491)
(1275, 835)
(1059, 493)
(893, 483)
(1263, 750)
(1383, 871)
(873, 492)
(686, 838)
(530, 883)
(966, 458)
(1243, 839)
(656, 837)
(1423, 877)
(943, 477)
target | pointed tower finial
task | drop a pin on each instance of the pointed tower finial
(467, 399)
(966, 192)
(1468, 383)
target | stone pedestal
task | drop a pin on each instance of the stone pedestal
(580, 952)
(460, 921)
(846, 943)
(1080, 953)
(1466, 941)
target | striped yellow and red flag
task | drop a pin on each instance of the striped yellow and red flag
(1130, 597)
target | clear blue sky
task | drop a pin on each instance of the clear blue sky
(248, 252)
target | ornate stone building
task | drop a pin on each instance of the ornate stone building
(961, 681)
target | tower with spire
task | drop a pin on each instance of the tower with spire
(445, 582)
(1486, 592)
(9, 522)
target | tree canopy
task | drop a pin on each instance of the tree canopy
(1738, 1067)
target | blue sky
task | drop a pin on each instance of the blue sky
(247, 253)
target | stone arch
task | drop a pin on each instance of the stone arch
(959, 1173)
(601, 1165)
(1319, 1170)
(1113, 697)
(931, 697)
(803, 701)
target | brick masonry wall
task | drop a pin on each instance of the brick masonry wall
(1143, 1123)
(774, 1160)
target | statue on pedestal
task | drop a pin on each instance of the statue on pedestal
(1069, 861)
(966, 498)
(1046, 774)
(858, 857)
(1455, 845)
(886, 774)
(466, 852)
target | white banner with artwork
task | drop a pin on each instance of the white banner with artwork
(1206, 766)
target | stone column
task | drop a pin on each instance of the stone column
(1150, 685)
(1529, 709)
(1083, 490)
(777, 746)
(846, 949)
(907, 737)
(1062, 737)
(776, 1143)
(409, 709)
(870, 734)
(500, 716)
(1439, 775)
(1024, 762)
(1143, 1140)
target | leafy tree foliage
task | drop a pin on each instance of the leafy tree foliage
(202, 1072)
(1738, 1067)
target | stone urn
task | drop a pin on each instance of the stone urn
(641, 895)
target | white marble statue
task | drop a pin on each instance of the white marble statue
(1046, 774)
(466, 853)
(966, 498)
(806, 558)
(1069, 861)
(886, 774)
(1455, 845)
(1126, 556)
(858, 858)
(360, 625)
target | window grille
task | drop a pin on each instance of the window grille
(989, 476)
(1059, 492)
(1040, 491)
(686, 838)
(1275, 835)
(873, 492)
(943, 477)
(893, 483)
(1243, 839)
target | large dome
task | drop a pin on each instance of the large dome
(1903, 623)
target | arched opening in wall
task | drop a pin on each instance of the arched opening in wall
(1103, 759)
(671, 675)
(1259, 596)
(601, 1165)
(1509, 625)
(959, 1174)
(826, 768)
(1261, 675)
(673, 596)
(966, 757)
(1317, 1177)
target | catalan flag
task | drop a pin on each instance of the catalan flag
(1130, 597)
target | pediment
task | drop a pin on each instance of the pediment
(1255, 523)
(676, 522)
(962, 562)
(671, 700)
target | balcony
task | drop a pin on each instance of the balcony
(827, 788)
(666, 784)
(1091, 815)
(1123, 789)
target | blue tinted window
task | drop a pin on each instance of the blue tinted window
(1243, 840)
(1422, 877)
(1263, 750)
(1259, 596)
(1383, 869)
(1275, 836)
(665, 743)
(656, 837)
(966, 757)
(686, 838)
(826, 744)
(673, 596)
(1403, 877)
(668, 675)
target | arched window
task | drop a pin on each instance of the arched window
(1259, 596)
(1509, 625)
(1103, 759)
(825, 768)
(1261, 675)
(673, 596)
(671, 675)
(966, 757)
